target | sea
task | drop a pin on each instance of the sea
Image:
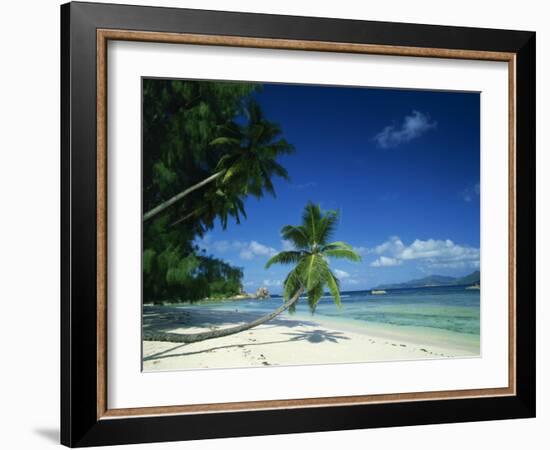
(447, 315)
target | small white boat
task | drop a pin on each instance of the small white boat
(378, 292)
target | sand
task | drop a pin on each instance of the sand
(286, 340)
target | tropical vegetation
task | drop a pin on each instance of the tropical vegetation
(310, 276)
(207, 146)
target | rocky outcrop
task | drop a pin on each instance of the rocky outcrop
(262, 293)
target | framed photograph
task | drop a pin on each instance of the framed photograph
(276, 224)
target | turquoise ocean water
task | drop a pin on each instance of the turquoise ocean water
(433, 315)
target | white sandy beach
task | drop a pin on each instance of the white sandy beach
(287, 340)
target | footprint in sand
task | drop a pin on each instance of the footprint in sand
(262, 360)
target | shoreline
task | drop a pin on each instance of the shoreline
(413, 335)
(208, 300)
(284, 341)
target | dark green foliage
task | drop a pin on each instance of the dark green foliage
(180, 120)
(193, 130)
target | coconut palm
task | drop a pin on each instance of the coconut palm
(312, 250)
(250, 161)
(216, 204)
(311, 274)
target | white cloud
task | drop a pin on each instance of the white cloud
(413, 126)
(271, 283)
(222, 246)
(341, 273)
(433, 252)
(247, 250)
(470, 193)
(361, 250)
(393, 245)
(442, 250)
(254, 249)
(386, 261)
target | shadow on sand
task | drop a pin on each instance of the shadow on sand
(165, 318)
(317, 336)
(313, 336)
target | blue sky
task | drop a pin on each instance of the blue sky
(401, 166)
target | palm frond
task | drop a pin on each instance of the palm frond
(225, 140)
(313, 270)
(314, 295)
(232, 171)
(337, 246)
(296, 235)
(272, 167)
(343, 253)
(224, 162)
(334, 287)
(290, 257)
(283, 147)
(268, 185)
(310, 219)
(292, 284)
(326, 227)
(240, 205)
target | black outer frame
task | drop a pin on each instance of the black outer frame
(79, 424)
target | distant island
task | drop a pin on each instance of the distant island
(435, 280)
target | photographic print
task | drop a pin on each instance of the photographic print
(303, 224)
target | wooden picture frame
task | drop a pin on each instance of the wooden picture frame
(86, 418)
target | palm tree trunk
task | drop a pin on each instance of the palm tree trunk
(182, 194)
(198, 337)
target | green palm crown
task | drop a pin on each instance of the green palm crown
(250, 162)
(310, 256)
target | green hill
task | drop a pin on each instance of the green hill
(435, 280)
(468, 279)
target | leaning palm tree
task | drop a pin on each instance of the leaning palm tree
(310, 276)
(248, 165)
